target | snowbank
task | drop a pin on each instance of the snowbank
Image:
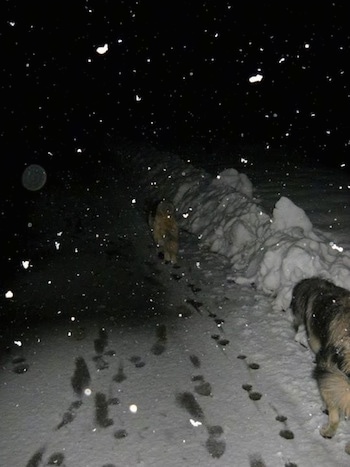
(272, 252)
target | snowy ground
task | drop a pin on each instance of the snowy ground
(112, 358)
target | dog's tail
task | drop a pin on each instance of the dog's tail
(333, 383)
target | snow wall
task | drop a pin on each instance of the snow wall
(273, 253)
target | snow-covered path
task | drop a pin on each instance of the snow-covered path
(134, 362)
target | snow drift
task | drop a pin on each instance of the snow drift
(271, 252)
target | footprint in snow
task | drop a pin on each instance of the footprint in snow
(137, 361)
(100, 345)
(56, 459)
(101, 411)
(196, 305)
(20, 365)
(215, 443)
(101, 342)
(81, 377)
(120, 376)
(256, 461)
(120, 434)
(254, 366)
(35, 460)
(187, 401)
(70, 414)
(219, 322)
(250, 366)
(161, 339)
(194, 289)
(285, 433)
(219, 340)
(195, 361)
(176, 277)
(253, 395)
(223, 342)
(203, 388)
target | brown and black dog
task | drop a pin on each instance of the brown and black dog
(165, 230)
(324, 309)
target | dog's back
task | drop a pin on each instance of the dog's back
(304, 295)
(320, 305)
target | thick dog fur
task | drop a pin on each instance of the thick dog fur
(163, 224)
(324, 309)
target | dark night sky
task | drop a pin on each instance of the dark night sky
(176, 74)
(190, 64)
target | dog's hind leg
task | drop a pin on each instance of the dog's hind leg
(328, 430)
(334, 390)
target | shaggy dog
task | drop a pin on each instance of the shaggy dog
(324, 309)
(165, 230)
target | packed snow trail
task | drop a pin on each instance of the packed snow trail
(133, 362)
